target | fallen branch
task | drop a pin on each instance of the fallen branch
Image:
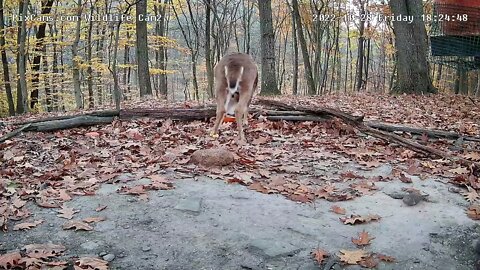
(79, 121)
(14, 133)
(172, 113)
(420, 131)
(358, 123)
(106, 113)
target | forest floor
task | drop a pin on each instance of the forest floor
(298, 195)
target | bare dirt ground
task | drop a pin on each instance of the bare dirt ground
(208, 224)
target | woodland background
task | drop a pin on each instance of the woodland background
(52, 61)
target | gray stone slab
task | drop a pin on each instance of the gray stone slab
(273, 248)
(193, 205)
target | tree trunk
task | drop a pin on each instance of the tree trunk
(46, 81)
(76, 61)
(22, 94)
(6, 71)
(208, 50)
(269, 80)
(142, 49)
(304, 48)
(116, 87)
(91, 100)
(360, 48)
(413, 74)
(477, 90)
(37, 59)
(126, 70)
(295, 55)
(54, 68)
(163, 51)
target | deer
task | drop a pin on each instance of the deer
(236, 79)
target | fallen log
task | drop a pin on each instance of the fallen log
(106, 113)
(79, 121)
(357, 122)
(420, 131)
(323, 112)
(14, 133)
(432, 133)
(172, 113)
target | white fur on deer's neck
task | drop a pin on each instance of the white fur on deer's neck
(230, 108)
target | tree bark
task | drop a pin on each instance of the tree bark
(477, 90)
(37, 59)
(413, 74)
(6, 71)
(91, 99)
(77, 90)
(142, 49)
(304, 48)
(269, 79)
(22, 94)
(208, 50)
(360, 48)
(295, 55)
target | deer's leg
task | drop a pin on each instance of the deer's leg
(220, 112)
(240, 116)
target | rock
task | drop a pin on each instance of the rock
(103, 253)
(146, 248)
(190, 205)
(109, 257)
(212, 157)
(91, 245)
(396, 195)
(273, 248)
(412, 199)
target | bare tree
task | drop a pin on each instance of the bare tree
(22, 94)
(6, 72)
(142, 49)
(38, 49)
(76, 61)
(269, 80)
(304, 48)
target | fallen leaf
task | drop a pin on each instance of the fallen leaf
(10, 260)
(471, 195)
(385, 258)
(319, 255)
(352, 256)
(27, 225)
(404, 178)
(43, 251)
(475, 156)
(363, 239)
(135, 190)
(257, 186)
(91, 263)
(459, 170)
(370, 164)
(369, 262)
(338, 210)
(473, 212)
(93, 219)
(100, 208)
(92, 134)
(356, 219)
(77, 225)
(66, 212)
